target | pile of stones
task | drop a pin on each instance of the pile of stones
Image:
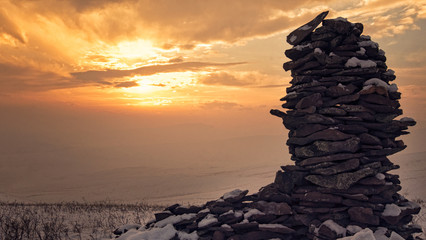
(341, 110)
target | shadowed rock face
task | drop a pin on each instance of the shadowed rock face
(340, 110)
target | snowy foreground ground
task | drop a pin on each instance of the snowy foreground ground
(164, 229)
(97, 221)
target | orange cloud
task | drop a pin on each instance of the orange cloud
(99, 76)
(8, 27)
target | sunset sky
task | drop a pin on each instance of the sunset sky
(94, 81)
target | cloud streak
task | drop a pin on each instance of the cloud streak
(8, 27)
(24, 78)
(100, 76)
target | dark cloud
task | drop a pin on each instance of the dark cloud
(18, 78)
(25, 78)
(98, 76)
(126, 84)
(220, 105)
(7, 26)
(176, 60)
(271, 86)
(226, 79)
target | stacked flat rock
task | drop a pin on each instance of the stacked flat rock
(341, 116)
(341, 110)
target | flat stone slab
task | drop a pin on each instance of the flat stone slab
(302, 32)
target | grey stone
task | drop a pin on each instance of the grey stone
(354, 108)
(369, 72)
(332, 111)
(318, 197)
(342, 180)
(330, 158)
(352, 128)
(338, 168)
(343, 99)
(245, 227)
(341, 90)
(286, 181)
(312, 100)
(321, 148)
(273, 208)
(298, 35)
(281, 229)
(299, 62)
(308, 129)
(372, 181)
(369, 139)
(341, 27)
(327, 134)
(363, 215)
(291, 122)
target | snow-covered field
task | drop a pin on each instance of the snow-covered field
(70, 221)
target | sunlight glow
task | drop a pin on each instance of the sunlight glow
(159, 89)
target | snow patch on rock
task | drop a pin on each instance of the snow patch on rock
(355, 62)
(391, 210)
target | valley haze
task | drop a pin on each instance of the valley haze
(168, 101)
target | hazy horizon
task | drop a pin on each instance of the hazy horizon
(137, 99)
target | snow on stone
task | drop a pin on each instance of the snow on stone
(238, 214)
(355, 62)
(232, 194)
(252, 212)
(353, 228)
(381, 83)
(361, 51)
(332, 54)
(245, 221)
(291, 93)
(209, 219)
(206, 210)
(127, 227)
(301, 47)
(380, 176)
(174, 219)
(228, 212)
(317, 50)
(391, 210)
(365, 234)
(188, 236)
(395, 236)
(339, 230)
(368, 43)
(225, 226)
(166, 233)
(272, 226)
(293, 38)
(341, 85)
(304, 28)
(379, 234)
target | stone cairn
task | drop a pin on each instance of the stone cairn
(341, 111)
